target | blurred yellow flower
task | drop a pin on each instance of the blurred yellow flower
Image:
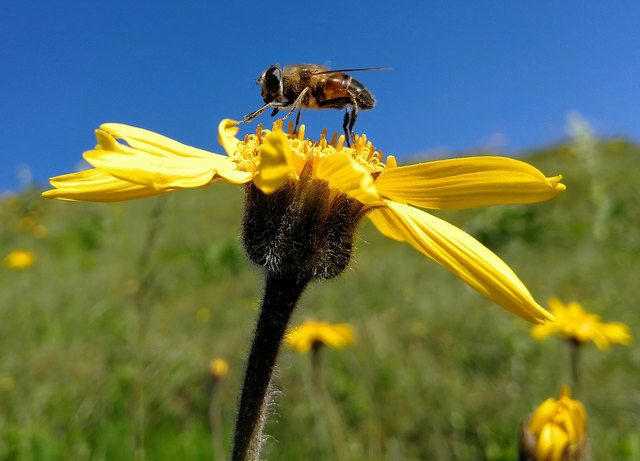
(218, 368)
(575, 324)
(40, 231)
(203, 315)
(7, 383)
(316, 334)
(20, 259)
(147, 164)
(557, 431)
(26, 223)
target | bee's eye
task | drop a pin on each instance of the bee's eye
(272, 77)
(271, 80)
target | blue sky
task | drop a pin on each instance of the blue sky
(466, 75)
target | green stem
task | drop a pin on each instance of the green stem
(574, 354)
(333, 418)
(280, 297)
(142, 309)
(215, 423)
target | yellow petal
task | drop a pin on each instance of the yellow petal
(96, 186)
(467, 183)
(617, 332)
(555, 304)
(165, 173)
(540, 332)
(234, 176)
(154, 143)
(276, 163)
(542, 415)
(551, 443)
(598, 339)
(338, 335)
(461, 254)
(346, 175)
(227, 130)
(148, 142)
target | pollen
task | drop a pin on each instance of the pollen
(247, 152)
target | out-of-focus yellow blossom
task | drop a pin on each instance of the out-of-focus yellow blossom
(316, 334)
(575, 324)
(203, 315)
(40, 231)
(7, 383)
(26, 223)
(557, 431)
(218, 368)
(20, 259)
(145, 164)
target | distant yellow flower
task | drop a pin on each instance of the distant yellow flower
(20, 259)
(26, 223)
(575, 324)
(557, 431)
(203, 315)
(147, 164)
(7, 383)
(40, 231)
(218, 368)
(315, 334)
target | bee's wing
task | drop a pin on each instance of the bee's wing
(335, 71)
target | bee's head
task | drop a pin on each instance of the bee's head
(271, 81)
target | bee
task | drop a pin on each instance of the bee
(314, 87)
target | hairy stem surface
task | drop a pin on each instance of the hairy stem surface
(280, 297)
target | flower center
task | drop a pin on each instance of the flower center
(247, 153)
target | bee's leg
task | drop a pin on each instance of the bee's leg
(298, 102)
(295, 130)
(251, 116)
(277, 105)
(345, 124)
(354, 116)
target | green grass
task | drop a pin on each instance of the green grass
(91, 370)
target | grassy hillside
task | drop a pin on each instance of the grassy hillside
(107, 337)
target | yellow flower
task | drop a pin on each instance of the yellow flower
(146, 164)
(203, 315)
(557, 431)
(218, 368)
(7, 383)
(575, 324)
(315, 334)
(26, 223)
(20, 259)
(40, 231)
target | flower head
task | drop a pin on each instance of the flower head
(321, 190)
(575, 324)
(557, 431)
(312, 334)
(218, 368)
(20, 259)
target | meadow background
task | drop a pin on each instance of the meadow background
(106, 339)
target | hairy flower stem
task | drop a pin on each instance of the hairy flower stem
(281, 294)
